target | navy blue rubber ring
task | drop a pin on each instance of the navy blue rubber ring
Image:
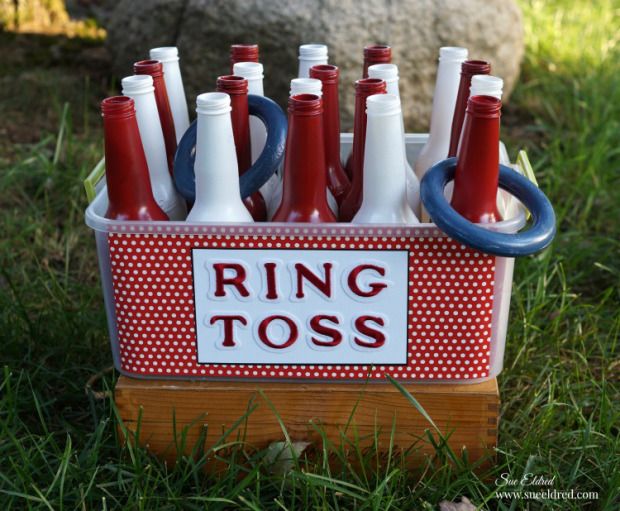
(258, 174)
(536, 238)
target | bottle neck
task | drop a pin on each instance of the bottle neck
(255, 86)
(469, 68)
(384, 162)
(163, 107)
(176, 97)
(253, 73)
(477, 170)
(486, 85)
(444, 100)
(331, 121)
(306, 63)
(151, 135)
(364, 89)
(217, 179)
(237, 88)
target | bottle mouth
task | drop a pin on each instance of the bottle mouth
(232, 84)
(383, 104)
(383, 71)
(327, 73)
(313, 52)
(452, 53)
(244, 52)
(137, 84)
(249, 70)
(117, 107)
(475, 67)
(378, 53)
(148, 67)
(486, 85)
(213, 103)
(370, 86)
(306, 86)
(305, 104)
(484, 107)
(165, 54)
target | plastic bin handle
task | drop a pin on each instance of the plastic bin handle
(93, 179)
(534, 239)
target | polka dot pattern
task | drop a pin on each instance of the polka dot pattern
(450, 303)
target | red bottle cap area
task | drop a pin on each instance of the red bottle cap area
(117, 107)
(244, 53)
(232, 84)
(305, 104)
(149, 67)
(475, 67)
(369, 85)
(376, 54)
(486, 107)
(325, 72)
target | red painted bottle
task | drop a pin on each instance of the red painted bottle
(155, 69)
(127, 175)
(469, 68)
(304, 197)
(237, 88)
(352, 202)
(243, 53)
(477, 168)
(376, 54)
(337, 180)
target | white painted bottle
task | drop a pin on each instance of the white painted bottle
(140, 89)
(444, 99)
(385, 181)
(169, 57)
(217, 178)
(311, 55)
(302, 86)
(389, 73)
(253, 73)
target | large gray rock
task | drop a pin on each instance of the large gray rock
(204, 29)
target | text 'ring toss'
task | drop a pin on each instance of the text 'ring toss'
(528, 242)
(258, 174)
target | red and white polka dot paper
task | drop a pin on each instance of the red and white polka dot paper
(450, 305)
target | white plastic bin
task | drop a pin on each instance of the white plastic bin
(440, 312)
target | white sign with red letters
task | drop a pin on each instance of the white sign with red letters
(257, 306)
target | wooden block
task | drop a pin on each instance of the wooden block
(467, 414)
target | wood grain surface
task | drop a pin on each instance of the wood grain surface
(171, 416)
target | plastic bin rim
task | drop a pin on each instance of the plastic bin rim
(102, 224)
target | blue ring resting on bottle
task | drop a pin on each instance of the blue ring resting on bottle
(258, 174)
(534, 239)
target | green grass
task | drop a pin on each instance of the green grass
(560, 387)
